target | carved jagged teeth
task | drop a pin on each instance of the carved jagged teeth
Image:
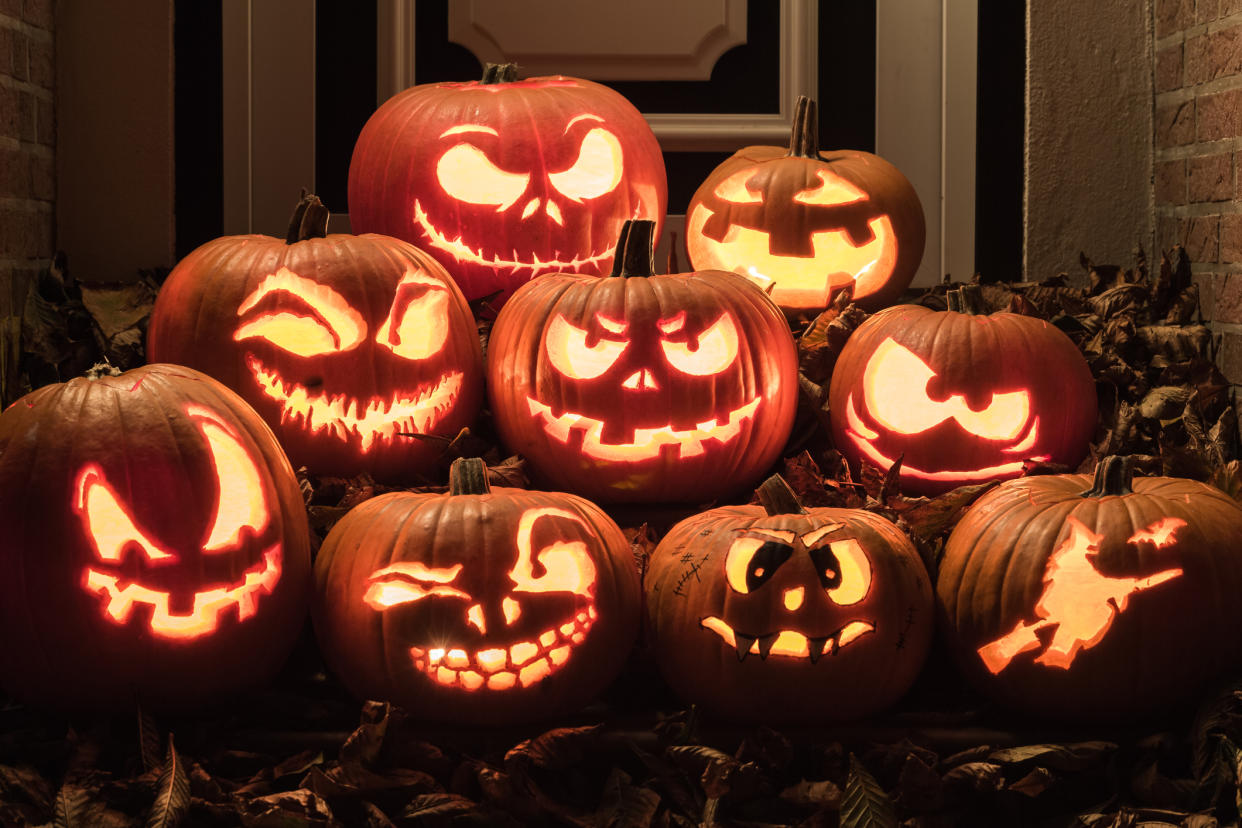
(743, 643)
(836, 645)
(816, 646)
(765, 644)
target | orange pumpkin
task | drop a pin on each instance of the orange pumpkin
(803, 224)
(155, 546)
(348, 346)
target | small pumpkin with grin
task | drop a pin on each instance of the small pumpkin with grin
(780, 614)
(641, 387)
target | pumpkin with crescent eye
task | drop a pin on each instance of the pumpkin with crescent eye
(1071, 598)
(779, 614)
(803, 223)
(352, 348)
(961, 395)
(642, 387)
(504, 179)
(155, 546)
(479, 606)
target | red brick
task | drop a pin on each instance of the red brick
(1231, 238)
(1201, 238)
(1175, 125)
(38, 13)
(26, 116)
(6, 51)
(1210, 178)
(1220, 115)
(10, 116)
(45, 122)
(42, 69)
(1168, 232)
(1168, 68)
(1206, 283)
(1214, 55)
(1228, 299)
(14, 174)
(19, 68)
(1207, 10)
(1230, 356)
(42, 178)
(1228, 7)
(1171, 182)
(1174, 16)
(13, 8)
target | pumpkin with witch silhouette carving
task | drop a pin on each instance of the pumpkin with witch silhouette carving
(358, 351)
(155, 545)
(642, 387)
(777, 613)
(478, 606)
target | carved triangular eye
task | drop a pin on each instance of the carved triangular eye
(241, 502)
(568, 351)
(108, 524)
(714, 350)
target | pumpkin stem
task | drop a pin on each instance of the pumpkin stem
(309, 220)
(102, 369)
(967, 299)
(1112, 476)
(468, 476)
(804, 136)
(635, 249)
(777, 498)
(499, 73)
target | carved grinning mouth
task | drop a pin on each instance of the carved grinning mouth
(463, 252)
(346, 417)
(499, 668)
(647, 442)
(204, 617)
(788, 643)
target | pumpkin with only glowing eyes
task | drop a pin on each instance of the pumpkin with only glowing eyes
(639, 387)
(479, 606)
(504, 179)
(965, 396)
(780, 614)
(348, 346)
(803, 223)
(155, 546)
(1067, 598)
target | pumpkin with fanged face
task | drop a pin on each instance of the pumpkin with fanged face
(348, 346)
(963, 395)
(1072, 599)
(640, 387)
(155, 544)
(504, 179)
(803, 223)
(481, 606)
(780, 614)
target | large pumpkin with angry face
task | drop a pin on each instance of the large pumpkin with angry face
(640, 387)
(961, 395)
(350, 347)
(155, 546)
(1069, 598)
(504, 179)
(479, 606)
(803, 223)
(776, 613)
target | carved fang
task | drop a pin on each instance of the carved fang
(742, 643)
(816, 647)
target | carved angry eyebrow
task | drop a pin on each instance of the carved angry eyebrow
(461, 128)
(417, 571)
(584, 117)
(814, 536)
(778, 534)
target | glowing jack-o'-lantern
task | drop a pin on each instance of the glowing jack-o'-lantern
(803, 223)
(643, 387)
(963, 396)
(502, 605)
(777, 613)
(155, 545)
(1075, 599)
(504, 179)
(348, 346)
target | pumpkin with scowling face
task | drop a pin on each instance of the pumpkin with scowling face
(155, 545)
(776, 613)
(1069, 598)
(504, 179)
(479, 606)
(961, 395)
(350, 347)
(803, 223)
(640, 387)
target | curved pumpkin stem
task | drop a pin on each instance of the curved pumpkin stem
(967, 299)
(309, 220)
(499, 73)
(1113, 476)
(635, 249)
(468, 476)
(102, 369)
(804, 136)
(777, 498)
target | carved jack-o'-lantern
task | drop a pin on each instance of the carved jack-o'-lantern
(479, 606)
(963, 396)
(776, 613)
(803, 223)
(502, 180)
(642, 387)
(1074, 599)
(155, 543)
(348, 346)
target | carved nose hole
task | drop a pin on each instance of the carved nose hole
(530, 208)
(793, 598)
(554, 213)
(640, 381)
(475, 616)
(511, 610)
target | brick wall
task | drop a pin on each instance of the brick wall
(27, 138)
(1198, 142)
